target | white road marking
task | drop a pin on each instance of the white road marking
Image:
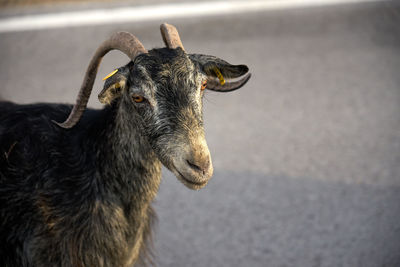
(156, 12)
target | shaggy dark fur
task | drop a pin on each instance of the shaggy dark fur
(82, 196)
(63, 196)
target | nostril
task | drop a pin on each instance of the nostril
(199, 166)
(194, 166)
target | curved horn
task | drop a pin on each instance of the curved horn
(170, 36)
(228, 86)
(123, 41)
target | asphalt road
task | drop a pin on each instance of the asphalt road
(306, 156)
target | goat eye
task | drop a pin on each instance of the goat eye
(138, 98)
(204, 85)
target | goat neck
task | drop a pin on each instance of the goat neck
(126, 162)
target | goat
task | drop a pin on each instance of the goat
(79, 193)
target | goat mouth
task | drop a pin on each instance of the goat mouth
(189, 183)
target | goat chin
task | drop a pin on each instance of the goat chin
(190, 183)
(193, 179)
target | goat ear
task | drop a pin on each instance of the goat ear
(114, 86)
(218, 70)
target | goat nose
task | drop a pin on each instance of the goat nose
(201, 166)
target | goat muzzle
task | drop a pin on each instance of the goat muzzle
(194, 166)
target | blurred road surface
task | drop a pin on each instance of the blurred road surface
(306, 156)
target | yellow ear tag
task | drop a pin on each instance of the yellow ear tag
(219, 75)
(109, 75)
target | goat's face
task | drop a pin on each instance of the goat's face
(163, 89)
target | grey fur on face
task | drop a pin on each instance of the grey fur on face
(171, 112)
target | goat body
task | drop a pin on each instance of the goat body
(65, 196)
